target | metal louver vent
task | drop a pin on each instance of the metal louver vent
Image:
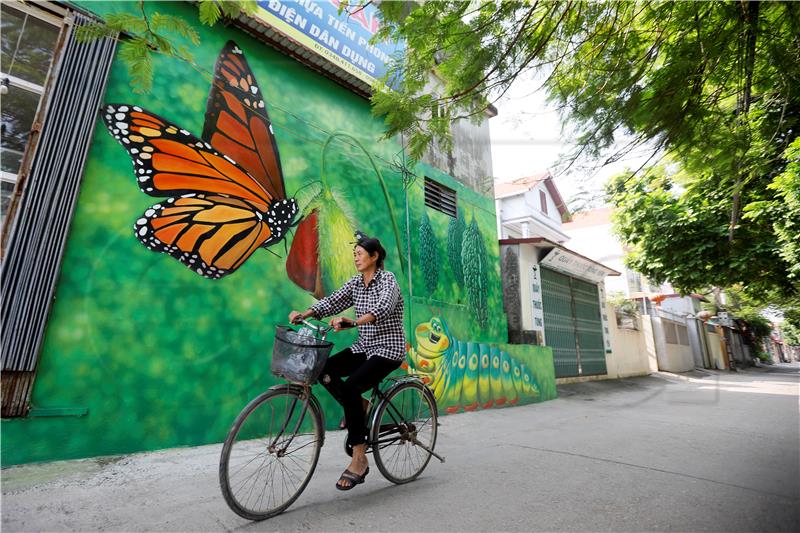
(440, 197)
(35, 247)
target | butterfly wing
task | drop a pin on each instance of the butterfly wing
(212, 235)
(218, 214)
(170, 161)
(237, 123)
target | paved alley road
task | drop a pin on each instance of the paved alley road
(699, 452)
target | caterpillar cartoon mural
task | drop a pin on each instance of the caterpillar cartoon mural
(468, 375)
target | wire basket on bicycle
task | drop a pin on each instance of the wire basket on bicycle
(298, 357)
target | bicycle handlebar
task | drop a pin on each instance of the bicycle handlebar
(324, 329)
(321, 329)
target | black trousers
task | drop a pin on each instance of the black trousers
(363, 374)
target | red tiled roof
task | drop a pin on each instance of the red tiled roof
(587, 219)
(503, 189)
(518, 185)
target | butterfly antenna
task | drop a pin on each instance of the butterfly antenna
(273, 253)
(309, 184)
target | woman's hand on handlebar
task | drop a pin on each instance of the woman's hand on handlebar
(296, 317)
(342, 322)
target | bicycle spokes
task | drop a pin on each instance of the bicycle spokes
(404, 434)
(270, 454)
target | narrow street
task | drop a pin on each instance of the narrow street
(702, 451)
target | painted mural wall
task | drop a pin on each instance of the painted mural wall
(459, 328)
(212, 206)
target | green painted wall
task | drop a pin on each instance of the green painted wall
(162, 357)
(445, 297)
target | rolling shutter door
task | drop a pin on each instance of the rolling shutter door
(572, 325)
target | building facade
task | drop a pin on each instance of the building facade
(676, 339)
(154, 240)
(554, 296)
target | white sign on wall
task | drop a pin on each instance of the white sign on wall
(601, 289)
(724, 319)
(575, 265)
(536, 302)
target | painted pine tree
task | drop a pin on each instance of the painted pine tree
(428, 254)
(455, 239)
(474, 265)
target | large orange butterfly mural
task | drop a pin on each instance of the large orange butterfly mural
(224, 195)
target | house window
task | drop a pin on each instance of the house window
(634, 280)
(675, 333)
(440, 197)
(543, 201)
(29, 38)
(683, 335)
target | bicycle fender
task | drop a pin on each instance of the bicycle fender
(399, 382)
(411, 378)
(408, 378)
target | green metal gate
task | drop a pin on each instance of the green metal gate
(591, 351)
(572, 325)
(559, 324)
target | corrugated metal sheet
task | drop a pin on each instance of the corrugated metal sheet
(262, 31)
(33, 256)
(16, 391)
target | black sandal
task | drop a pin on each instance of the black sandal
(353, 478)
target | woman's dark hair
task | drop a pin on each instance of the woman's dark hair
(372, 246)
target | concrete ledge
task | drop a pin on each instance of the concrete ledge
(633, 374)
(697, 373)
(601, 377)
(583, 379)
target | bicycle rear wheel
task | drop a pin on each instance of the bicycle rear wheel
(404, 432)
(270, 453)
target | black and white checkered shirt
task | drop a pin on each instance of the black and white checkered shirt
(385, 337)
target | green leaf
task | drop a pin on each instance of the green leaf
(95, 30)
(209, 12)
(126, 22)
(135, 53)
(176, 24)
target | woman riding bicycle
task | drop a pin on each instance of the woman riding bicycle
(379, 349)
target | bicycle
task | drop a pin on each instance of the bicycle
(272, 449)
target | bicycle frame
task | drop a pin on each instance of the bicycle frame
(304, 391)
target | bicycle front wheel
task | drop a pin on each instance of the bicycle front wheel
(404, 432)
(270, 453)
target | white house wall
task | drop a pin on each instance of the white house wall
(533, 201)
(599, 244)
(526, 208)
(679, 305)
(527, 259)
(514, 207)
(629, 352)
